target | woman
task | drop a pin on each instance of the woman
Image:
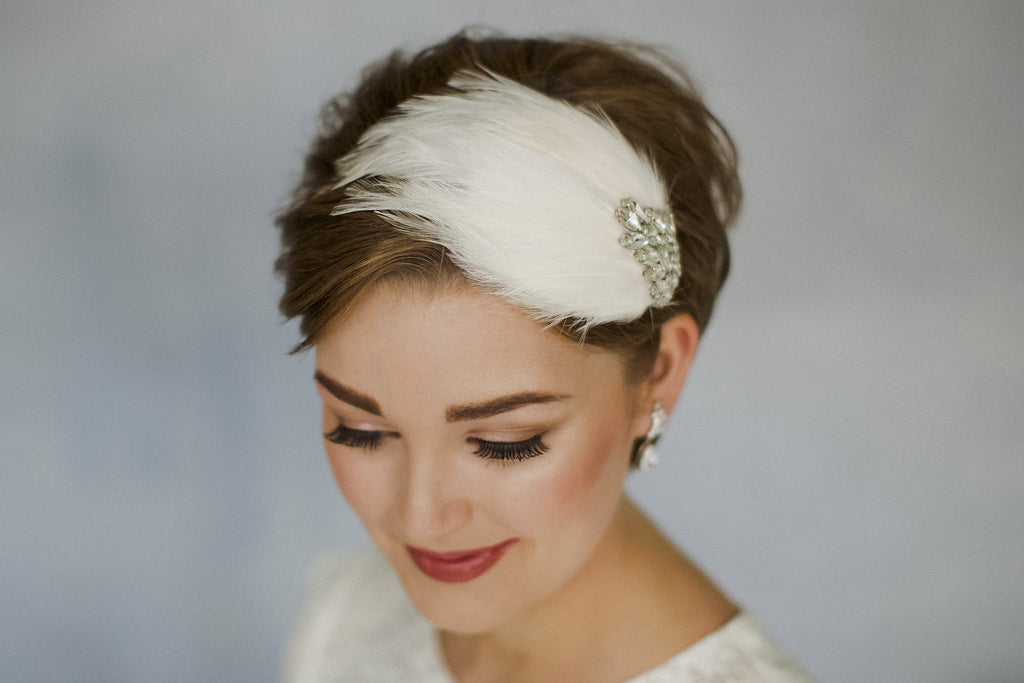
(503, 253)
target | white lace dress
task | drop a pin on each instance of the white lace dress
(359, 626)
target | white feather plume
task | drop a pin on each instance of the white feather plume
(521, 188)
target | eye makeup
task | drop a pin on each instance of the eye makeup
(503, 451)
(354, 438)
(511, 451)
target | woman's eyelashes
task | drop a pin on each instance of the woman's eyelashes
(354, 438)
(510, 451)
(505, 451)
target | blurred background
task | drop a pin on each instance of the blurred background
(847, 460)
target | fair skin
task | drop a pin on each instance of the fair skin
(456, 422)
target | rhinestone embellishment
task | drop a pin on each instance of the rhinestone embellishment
(648, 456)
(651, 236)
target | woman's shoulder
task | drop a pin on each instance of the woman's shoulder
(357, 624)
(741, 650)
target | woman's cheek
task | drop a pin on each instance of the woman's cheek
(363, 486)
(582, 481)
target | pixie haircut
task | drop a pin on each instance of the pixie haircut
(329, 261)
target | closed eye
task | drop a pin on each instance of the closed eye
(354, 438)
(503, 451)
(510, 451)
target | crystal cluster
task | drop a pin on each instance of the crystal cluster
(651, 236)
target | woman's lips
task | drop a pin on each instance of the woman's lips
(461, 565)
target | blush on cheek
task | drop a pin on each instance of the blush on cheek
(592, 466)
(582, 486)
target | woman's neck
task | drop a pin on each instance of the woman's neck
(634, 604)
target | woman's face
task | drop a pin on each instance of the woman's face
(484, 455)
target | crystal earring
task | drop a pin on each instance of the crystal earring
(648, 456)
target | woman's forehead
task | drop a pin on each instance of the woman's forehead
(457, 342)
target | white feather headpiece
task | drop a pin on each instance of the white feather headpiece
(522, 189)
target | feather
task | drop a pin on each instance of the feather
(521, 188)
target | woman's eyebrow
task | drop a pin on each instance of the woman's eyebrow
(496, 406)
(347, 394)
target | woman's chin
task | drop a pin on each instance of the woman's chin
(457, 608)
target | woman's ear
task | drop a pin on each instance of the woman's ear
(678, 346)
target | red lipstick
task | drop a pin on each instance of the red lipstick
(461, 565)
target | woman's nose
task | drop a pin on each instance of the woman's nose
(433, 504)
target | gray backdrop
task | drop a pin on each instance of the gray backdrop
(847, 458)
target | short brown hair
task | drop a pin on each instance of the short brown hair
(328, 262)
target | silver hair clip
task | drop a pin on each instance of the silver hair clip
(651, 236)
